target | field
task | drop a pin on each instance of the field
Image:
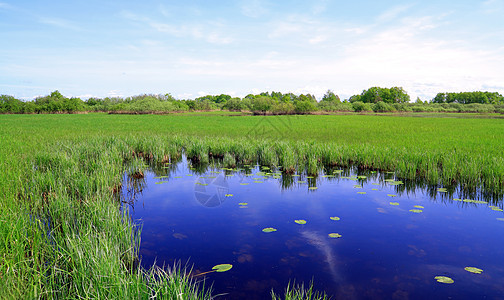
(61, 228)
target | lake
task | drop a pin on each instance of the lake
(396, 237)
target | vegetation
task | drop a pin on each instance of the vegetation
(64, 233)
(374, 99)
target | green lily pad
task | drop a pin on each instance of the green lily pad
(444, 279)
(418, 206)
(189, 174)
(357, 186)
(269, 229)
(310, 177)
(229, 195)
(335, 218)
(394, 203)
(457, 199)
(442, 190)
(243, 203)
(362, 177)
(177, 177)
(396, 183)
(473, 270)
(362, 193)
(300, 222)
(334, 235)
(374, 183)
(301, 181)
(374, 189)
(222, 267)
(313, 188)
(296, 175)
(497, 209)
(258, 181)
(417, 211)
(391, 195)
(244, 183)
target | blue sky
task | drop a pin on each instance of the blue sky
(192, 48)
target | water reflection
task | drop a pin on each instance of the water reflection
(385, 251)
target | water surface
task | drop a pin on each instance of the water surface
(385, 251)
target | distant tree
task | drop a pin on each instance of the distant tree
(329, 96)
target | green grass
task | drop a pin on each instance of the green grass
(63, 233)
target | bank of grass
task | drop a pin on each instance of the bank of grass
(62, 230)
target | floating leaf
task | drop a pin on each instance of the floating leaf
(189, 175)
(391, 195)
(357, 186)
(444, 279)
(396, 183)
(229, 175)
(497, 209)
(374, 183)
(300, 222)
(362, 193)
(334, 235)
(418, 206)
(243, 203)
(296, 175)
(310, 177)
(457, 199)
(244, 183)
(394, 203)
(362, 177)
(269, 229)
(222, 267)
(335, 218)
(301, 181)
(374, 189)
(177, 177)
(313, 188)
(258, 181)
(228, 195)
(473, 270)
(417, 211)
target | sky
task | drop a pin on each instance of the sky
(193, 48)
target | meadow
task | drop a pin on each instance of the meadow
(62, 230)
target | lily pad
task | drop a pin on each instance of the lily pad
(243, 203)
(269, 229)
(244, 183)
(442, 190)
(444, 279)
(362, 177)
(418, 206)
(473, 270)
(374, 189)
(357, 186)
(497, 209)
(391, 195)
(334, 235)
(258, 181)
(300, 222)
(301, 181)
(177, 177)
(417, 211)
(228, 195)
(362, 193)
(313, 188)
(335, 218)
(394, 203)
(222, 267)
(375, 183)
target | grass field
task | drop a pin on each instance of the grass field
(61, 229)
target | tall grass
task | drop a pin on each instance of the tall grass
(63, 232)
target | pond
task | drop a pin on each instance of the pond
(367, 235)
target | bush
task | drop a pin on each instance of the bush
(383, 107)
(361, 107)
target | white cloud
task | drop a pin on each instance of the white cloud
(393, 13)
(61, 23)
(253, 8)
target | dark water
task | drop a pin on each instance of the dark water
(385, 252)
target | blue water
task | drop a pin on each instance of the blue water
(385, 252)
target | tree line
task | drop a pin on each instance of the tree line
(374, 99)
